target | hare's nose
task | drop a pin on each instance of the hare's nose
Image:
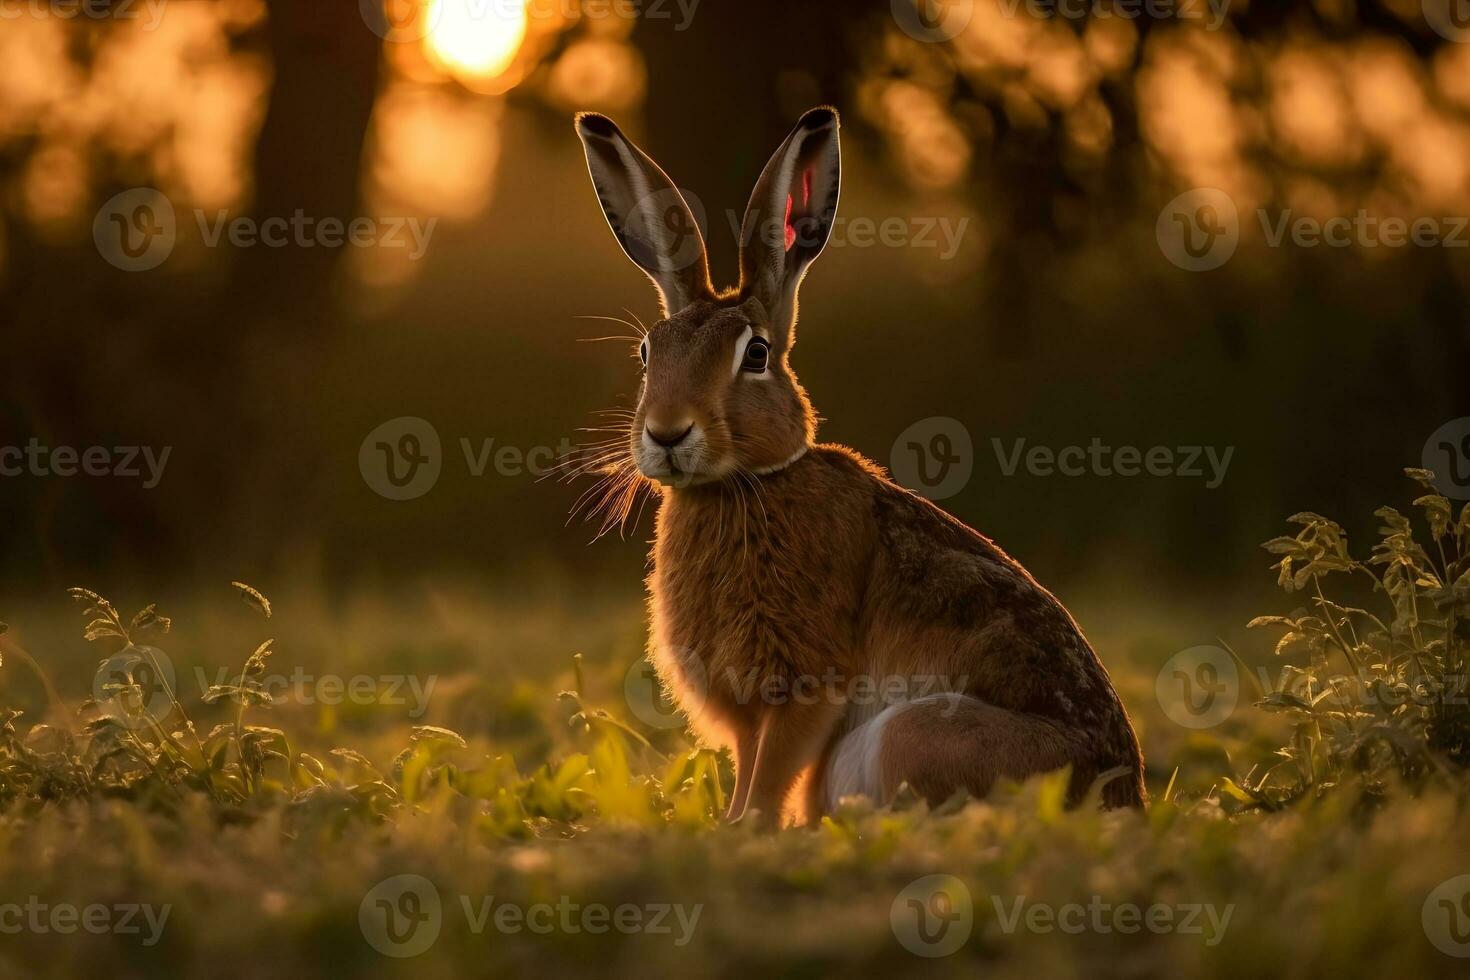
(670, 437)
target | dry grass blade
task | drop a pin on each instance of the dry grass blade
(252, 597)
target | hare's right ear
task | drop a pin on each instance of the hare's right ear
(791, 215)
(647, 213)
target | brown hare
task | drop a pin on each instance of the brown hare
(832, 628)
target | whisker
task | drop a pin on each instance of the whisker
(585, 456)
(640, 326)
(606, 463)
(616, 502)
(646, 497)
(596, 496)
(611, 499)
(626, 507)
(642, 330)
(759, 491)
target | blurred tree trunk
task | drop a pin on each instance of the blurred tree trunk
(309, 155)
(308, 161)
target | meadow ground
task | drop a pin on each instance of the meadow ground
(487, 823)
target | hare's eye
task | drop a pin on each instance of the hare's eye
(643, 353)
(757, 356)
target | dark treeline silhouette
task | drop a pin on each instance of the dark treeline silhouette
(239, 362)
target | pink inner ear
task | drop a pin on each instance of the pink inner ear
(806, 206)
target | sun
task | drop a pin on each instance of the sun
(475, 38)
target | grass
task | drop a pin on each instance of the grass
(263, 815)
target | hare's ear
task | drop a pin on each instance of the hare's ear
(647, 213)
(790, 215)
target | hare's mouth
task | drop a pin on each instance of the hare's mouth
(679, 469)
(676, 477)
(688, 461)
(672, 472)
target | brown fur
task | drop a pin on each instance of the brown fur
(837, 572)
(820, 574)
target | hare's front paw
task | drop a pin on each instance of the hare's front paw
(757, 819)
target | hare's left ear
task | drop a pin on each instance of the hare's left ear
(791, 213)
(647, 213)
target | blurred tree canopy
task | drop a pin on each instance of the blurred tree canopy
(1062, 127)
